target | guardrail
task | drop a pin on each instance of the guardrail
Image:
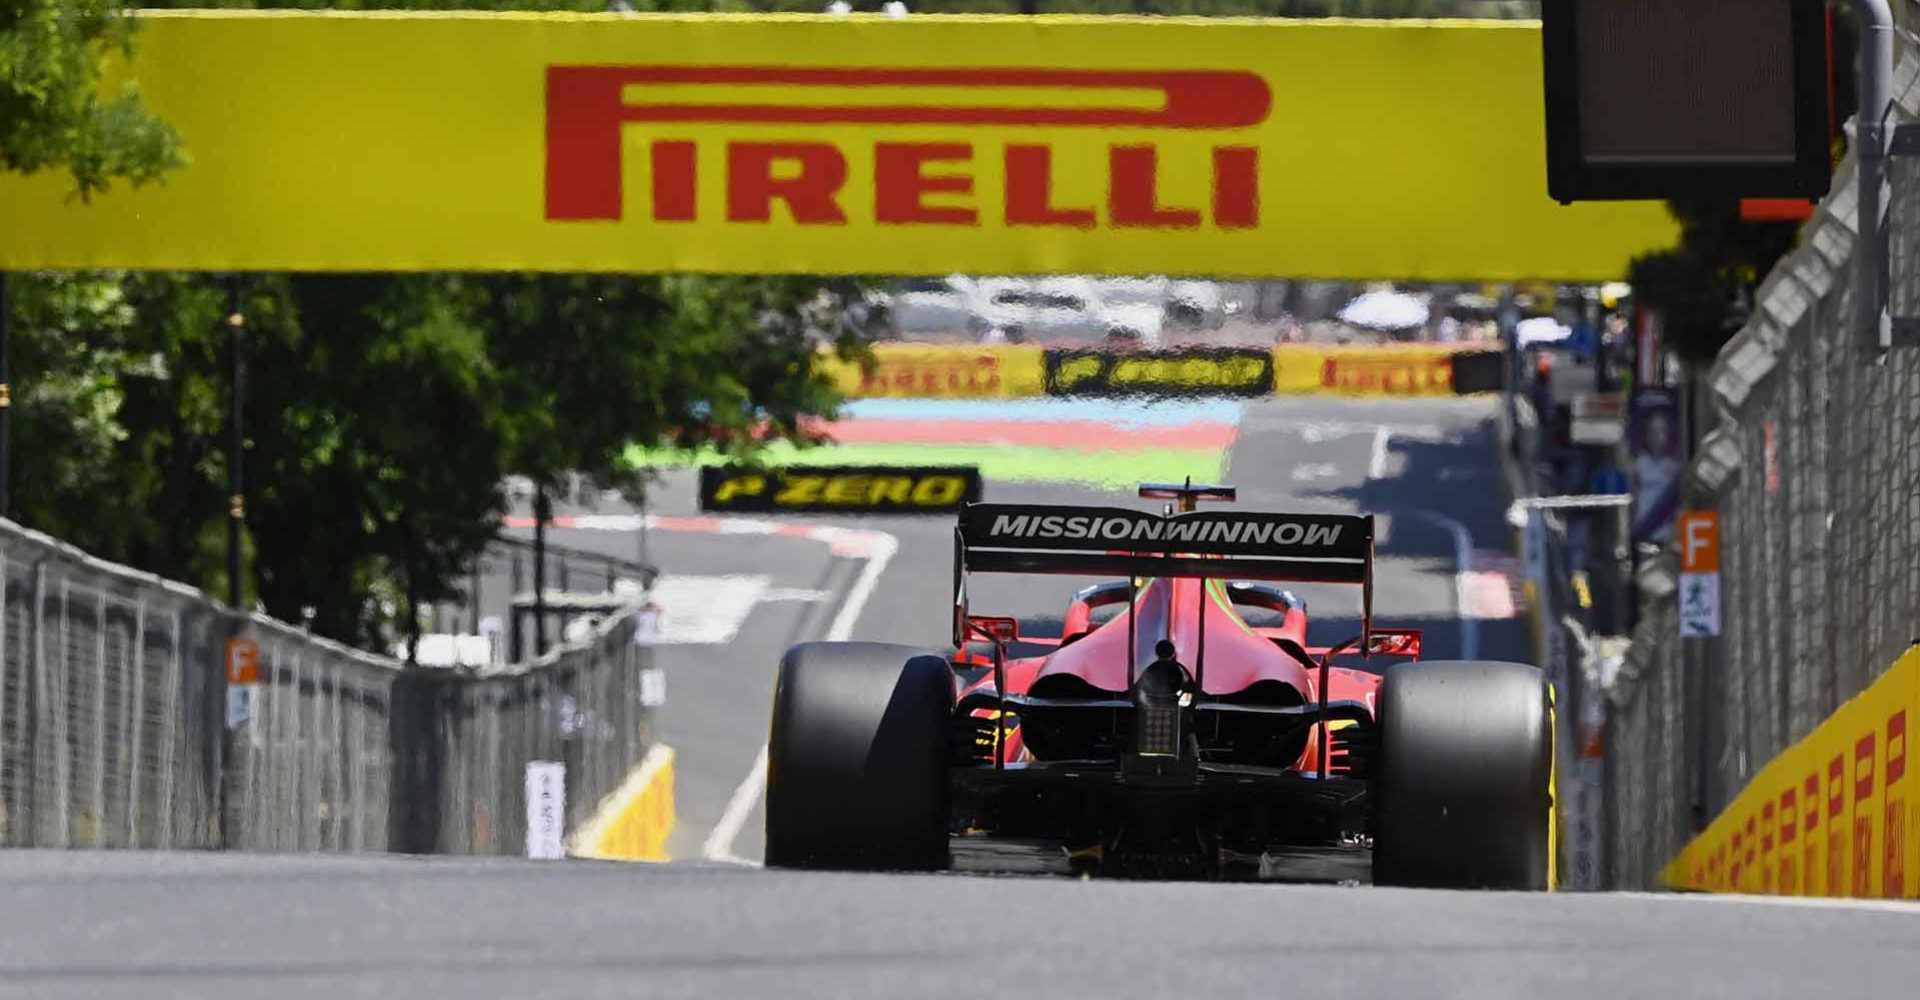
(1812, 467)
(118, 727)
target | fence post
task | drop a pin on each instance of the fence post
(415, 740)
(513, 614)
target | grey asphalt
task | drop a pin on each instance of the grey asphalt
(218, 927)
(234, 927)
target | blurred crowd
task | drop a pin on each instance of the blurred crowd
(1150, 312)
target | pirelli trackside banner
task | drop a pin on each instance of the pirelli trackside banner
(844, 489)
(1227, 371)
(1835, 814)
(814, 144)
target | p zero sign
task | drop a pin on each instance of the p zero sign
(809, 144)
(842, 489)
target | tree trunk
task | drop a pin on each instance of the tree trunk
(410, 566)
(542, 513)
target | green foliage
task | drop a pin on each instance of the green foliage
(383, 412)
(1704, 287)
(52, 111)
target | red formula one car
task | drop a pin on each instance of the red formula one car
(1169, 736)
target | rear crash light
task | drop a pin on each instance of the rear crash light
(1159, 695)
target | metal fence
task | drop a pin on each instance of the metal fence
(109, 707)
(116, 728)
(1814, 466)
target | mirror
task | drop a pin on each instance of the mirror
(1396, 642)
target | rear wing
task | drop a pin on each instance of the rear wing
(1034, 538)
(1029, 538)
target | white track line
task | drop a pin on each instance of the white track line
(1462, 551)
(1908, 907)
(1377, 462)
(719, 843)
(1462, 582)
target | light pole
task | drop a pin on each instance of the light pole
(6, 391)
(236, 444)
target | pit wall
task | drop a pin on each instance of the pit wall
(1833, 815)
(1014, 371)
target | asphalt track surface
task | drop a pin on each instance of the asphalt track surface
(215, 927)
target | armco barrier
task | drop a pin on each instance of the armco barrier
(989, 371)
(1833, 815)
(118, 727)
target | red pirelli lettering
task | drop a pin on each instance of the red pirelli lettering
(1863, 768)
(587, 106)
(901, 183)
(1134, 198)
(674, 194)
(1030, 191)
(811, 192)
(1896, 747)
(1236, 187)
(1894, 858)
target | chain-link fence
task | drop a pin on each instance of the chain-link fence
(109, 703)
(1814, 467)
(118, 727)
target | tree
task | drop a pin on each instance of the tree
(53, 56)
(1703, 288)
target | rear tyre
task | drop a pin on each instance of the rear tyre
(1462, 793)
(858, 756)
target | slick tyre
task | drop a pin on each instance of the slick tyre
(1463, 789)
(857, 758)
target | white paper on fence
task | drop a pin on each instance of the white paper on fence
(240, 700)
(653, 687)
(546, 809)
(1699, 598)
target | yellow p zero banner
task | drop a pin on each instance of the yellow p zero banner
(1834, 815)
(812, 144)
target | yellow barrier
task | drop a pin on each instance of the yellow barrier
(470, 140)
(934, 371)
(633, 823)
(1385, 370)
(1833, 815)
(987, 371)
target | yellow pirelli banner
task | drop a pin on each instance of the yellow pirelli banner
(939, 371)
(1834, 815)
(812, 144)
(1365, 369)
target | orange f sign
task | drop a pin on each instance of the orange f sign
(1700, 541)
